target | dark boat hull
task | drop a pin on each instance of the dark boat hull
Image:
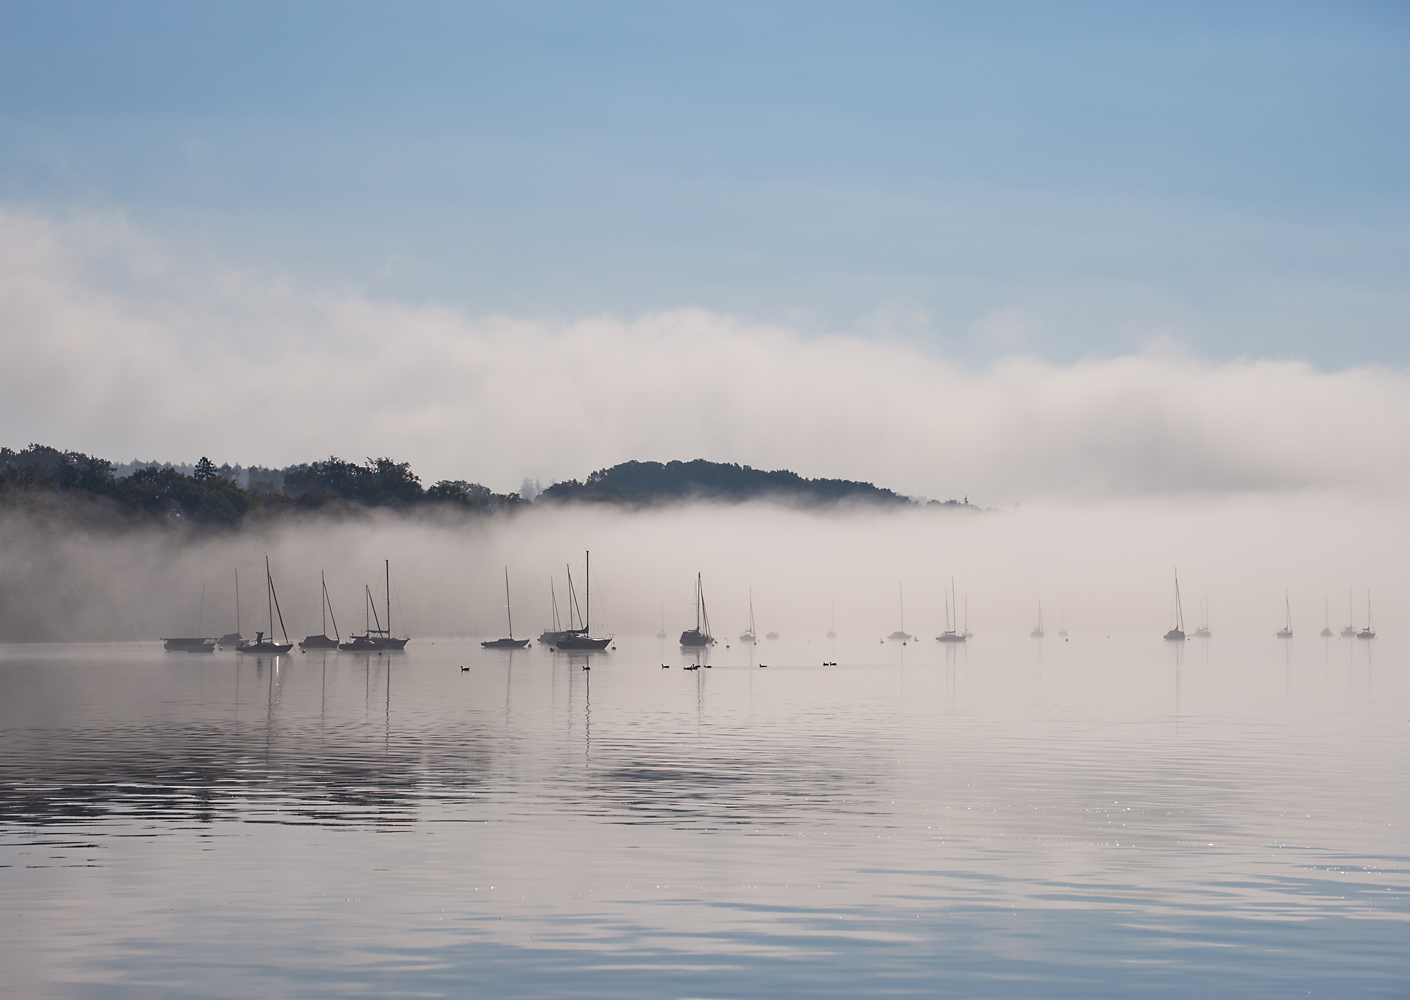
(318, 642)
(268, 648)
(583, 642)
(505, 643)
(189, 645)
(900, 636)
(230, 639)
(362, 644)
(949, 637)
(694, 637)
(1175, 635)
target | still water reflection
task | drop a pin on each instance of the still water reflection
(1011, 818)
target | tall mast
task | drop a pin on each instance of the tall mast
(587, 589)
(329, 605)
(699, 594)
(1179, 611)
(902, 597)
(389, 598)
(269, 596)
(237, 600)
(323, 582)
(508, 609)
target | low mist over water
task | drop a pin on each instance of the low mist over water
(1095, 568)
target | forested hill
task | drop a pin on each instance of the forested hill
(644, 483)
(46, 480)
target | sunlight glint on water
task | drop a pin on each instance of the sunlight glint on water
(1009, 818)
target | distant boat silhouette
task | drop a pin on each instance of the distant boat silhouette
(1038, 632)
(550, 636)
(583, 640)
(260, 644)
(234, 638)
(951, 634)
(322, 641)
(700, 635)
(748, 635)
(901, 635)
(1286, 631)
(771, 635)
(192, 644)
(967, 633)
(1177, 634)
(1327, 632)
(1369, 632)
(1350, 630)
(1203, 631)
(510, 642)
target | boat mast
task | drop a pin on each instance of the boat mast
(269, 596)
(1179, 611)
(274, 596)
(237, 600)
(323, 581)
(509, 610)
(901, 596)
(587, 590)
(389, 598)
(698, 597)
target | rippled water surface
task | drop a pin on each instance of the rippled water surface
(1013, 818)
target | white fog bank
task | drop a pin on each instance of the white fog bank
(117, 348)
(1102, 567)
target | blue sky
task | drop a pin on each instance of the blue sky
(1065, 179)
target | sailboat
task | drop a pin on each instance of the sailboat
(260, 644)
(951, 634)
(832, 625)
(1203, 631)
(233, 638)
(550, 636)
(967, 633)
(583, 639)
(1327, 632)
(322, 641)
(748, 634)
(1062, 623)
(901, 635)
(1369, 632)
(386, 634)
(1350, 630)
(700, 635)
(371, 640)
(1177, 634)
(662, 634)
(192, 644)
(1286, 631)
(510, 642)
(1038, 632)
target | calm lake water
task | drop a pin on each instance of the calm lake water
(1013, 818)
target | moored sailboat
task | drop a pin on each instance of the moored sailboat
(510, 642)
(748, 635)
(901, 635)
(1038, 632)
(583, 640)
(1286, 632)
(260, 644)
(951, 633)
(230, 639)
(1369, 632)
(192, 644)
(1203, 631)
(1177, 634)
(371, 640)
(322, 641)
(700, 635)
(1349, 631)
(1327, 632)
